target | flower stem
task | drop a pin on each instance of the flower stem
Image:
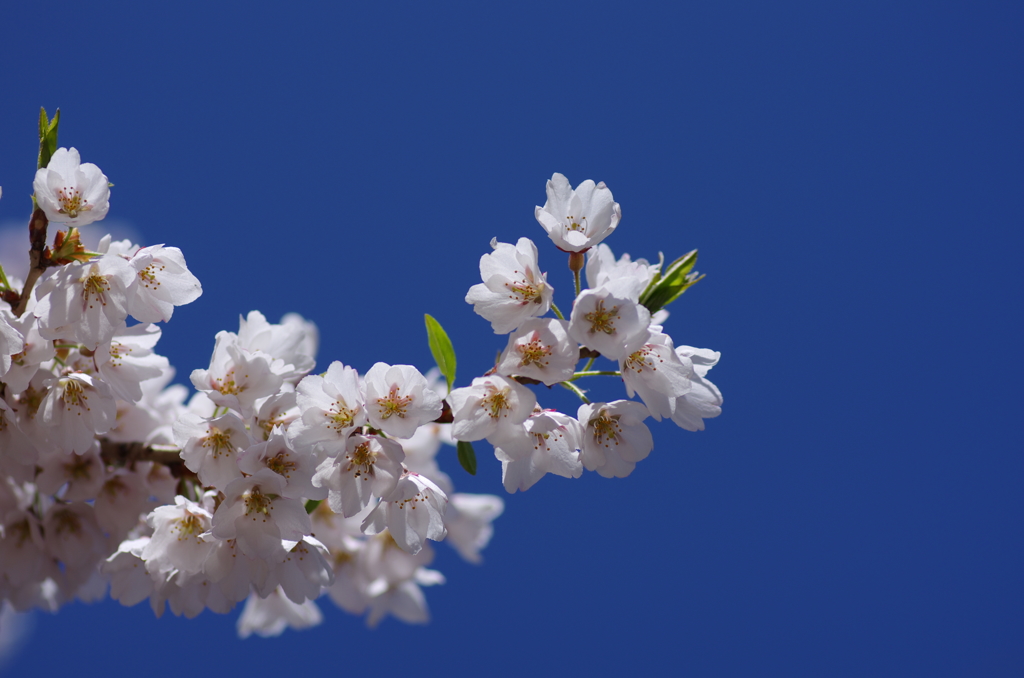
(576, 389)
(596, 373)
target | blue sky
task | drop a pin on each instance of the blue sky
(852, 177)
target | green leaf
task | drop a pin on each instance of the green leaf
(47, 136)
(311, 504)
(467, 457)
(672, 282)
(442, 350)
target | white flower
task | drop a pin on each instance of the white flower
(607, 320)
(71, 192)
(513, 288)
(491, 406)
(331, 406)
(76, 408)
(85, 302)
(11, 341)
(162, 282)
(602, 268)
(548, 442)
(704, 400)
(270, 616)
(615, 438)
(258, 517)
(129, 360)
(412, 513)
(540, 349)
(577, 219)
(296, 468)
(398, 399)
(36, 350)
(237, 378)
(657, 373)
(370, 467)
(468, 519)
(177, 543)
(210, 448)
(293, 342)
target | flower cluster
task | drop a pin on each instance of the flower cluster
(611, 318)
(112, 476)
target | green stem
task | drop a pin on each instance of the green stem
(576, 280)
(3, 279)
(575, 389)
(596, 373)
(557, 312)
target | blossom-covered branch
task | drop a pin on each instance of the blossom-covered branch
(112, 475)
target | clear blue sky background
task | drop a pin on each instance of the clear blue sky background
(852, 176)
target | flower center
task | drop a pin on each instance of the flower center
(533, 353)
(227, 385)
(606, 430)
(497, 403)
(643, 359)
(189, 526)
(601, 320)
(147, 276)
(340, 417)
(72, 202)
(95, 286)
(576, 224)
(73, 394)
(219, 440)
(393, 404)
(362, 460)
(281, 465)
(257, 502)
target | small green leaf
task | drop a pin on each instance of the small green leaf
(673, 282)
(311, 504)
(442, 350)
(47, 136)
(467, 457)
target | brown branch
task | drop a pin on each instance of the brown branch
(128, 454)
(37, 260)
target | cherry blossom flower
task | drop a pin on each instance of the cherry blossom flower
(270, 616)
(704, 400)
(657, 373)
(71, 192)
(513, 288)
(540, 349)
(468, 520)
(84, 302)
(547, 442)
(237, 378)
(295, 467)
(258, 517)
(615, 438)
(11, 341)
(491, 406)
(177, 543)
(128, 360)
(576, 220)
(332, 407)
(398, 399)
(412, 513)
(370, 467)
(162, 281)
(77, 406)
(603, 268)
(210, 447)
(607, 320)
